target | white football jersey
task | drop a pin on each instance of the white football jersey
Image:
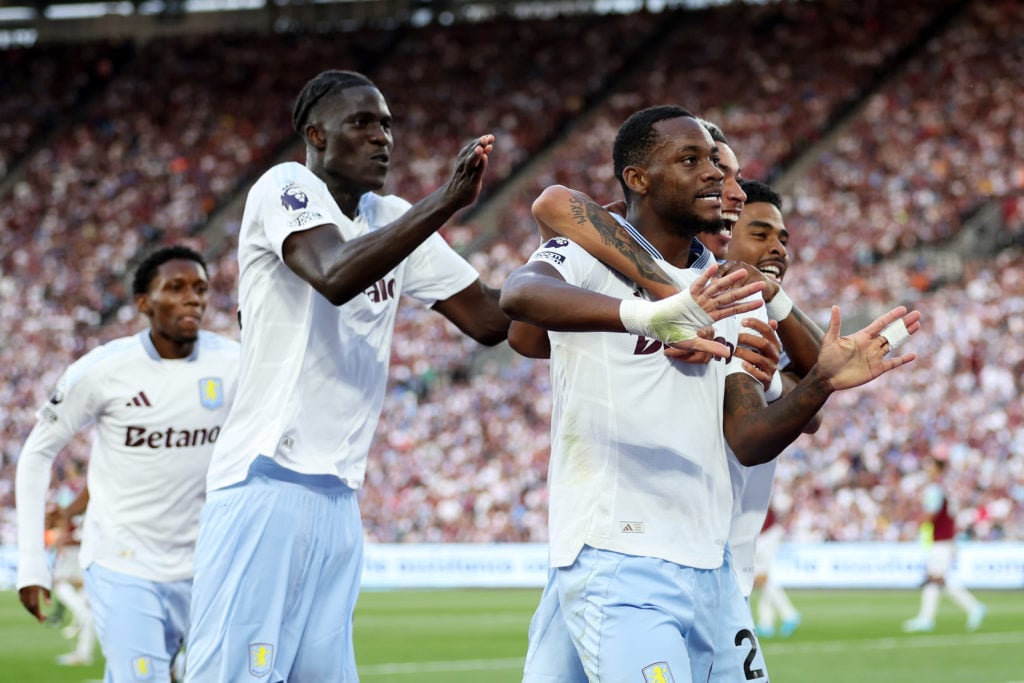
(156, 421)
(752, 493)
(638, 462)
(313, 374)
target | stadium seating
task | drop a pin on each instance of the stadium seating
(900, 119)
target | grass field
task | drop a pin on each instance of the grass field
(472, 636)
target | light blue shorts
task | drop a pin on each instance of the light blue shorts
(140, 623)
(640, 619)
(738, 655)
(278, 565)
(551, 656)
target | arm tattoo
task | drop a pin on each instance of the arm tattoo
(612, 234)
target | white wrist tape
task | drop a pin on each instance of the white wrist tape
(780, 306)
(670, 320)
(896, 334)
(774, 392)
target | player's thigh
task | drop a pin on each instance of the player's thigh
(265, 583)
(177, 599)
(131, 622)
(638, 619)
(940, 558)
(325, 651)
(738, 654)
(551, 656)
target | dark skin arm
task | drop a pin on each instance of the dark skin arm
(562, 211)
(340, 269)
(475, 311)
(757, 432)
(800, 335)
(536, 293)
(572, 214)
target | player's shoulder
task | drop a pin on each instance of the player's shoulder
(108, 357)
(382, 209)
(287, 172)
(111, 351)
(213, 340)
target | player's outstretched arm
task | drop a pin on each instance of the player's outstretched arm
(678, 320)
(340, 269)
(757, 432)
(847, 362)
(572, 214)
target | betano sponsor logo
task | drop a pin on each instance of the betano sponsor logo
(173, 437)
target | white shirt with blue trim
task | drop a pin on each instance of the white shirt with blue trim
(156, 423)
(638, 462)
(314, 374)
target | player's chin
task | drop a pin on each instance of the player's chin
(186, 334)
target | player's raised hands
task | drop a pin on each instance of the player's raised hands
(676, 320)
(771, 287)
(850, 361)
(760, 350)
(467, 178)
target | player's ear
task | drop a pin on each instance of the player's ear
(635, 179)
(315, 136)
(143, 305)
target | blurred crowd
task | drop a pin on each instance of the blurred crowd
(900, 117)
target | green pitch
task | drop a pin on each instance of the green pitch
(468, 636)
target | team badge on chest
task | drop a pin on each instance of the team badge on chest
(211, 392)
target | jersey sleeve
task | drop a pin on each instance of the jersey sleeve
(291, 202)
(435, 272)
(72, 405)
(573, 262)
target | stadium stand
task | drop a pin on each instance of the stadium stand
(890, 126)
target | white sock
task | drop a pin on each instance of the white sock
(930, 601)
(765, 610)
(75, 601)
(962, 597)
(780, 600)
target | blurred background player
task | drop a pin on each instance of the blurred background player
(64, 517)
(939, 510)
(158, 400)
(772, 601)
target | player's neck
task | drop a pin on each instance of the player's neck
(671, 242)
(171, 349)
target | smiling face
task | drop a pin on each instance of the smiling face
(733, 195)
(175, 304)
(760, 238)
(350, 132)
(683, 183)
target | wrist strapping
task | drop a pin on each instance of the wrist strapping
(780, 306)
(670, 320)
(896, 334)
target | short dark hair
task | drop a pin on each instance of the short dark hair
(324, 83)
(146, 271)
(636, 138)
(716, 133)
(757, 191)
